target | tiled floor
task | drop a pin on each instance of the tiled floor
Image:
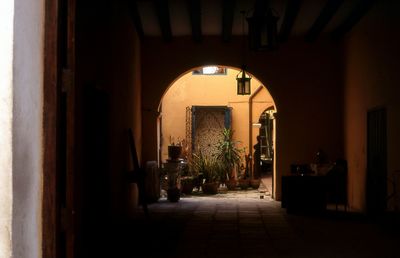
(240, 224)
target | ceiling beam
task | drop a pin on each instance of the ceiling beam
(260, 8)
(323, 19)
(228, 11)
(354, 17)
(137, 22)
(291, 12)
(194, 7)
(162, 12)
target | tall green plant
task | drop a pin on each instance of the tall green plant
(227, 151)
(205, 167)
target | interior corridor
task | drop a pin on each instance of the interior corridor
(229, 225)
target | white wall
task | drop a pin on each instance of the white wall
(27, 127)
(6, 43)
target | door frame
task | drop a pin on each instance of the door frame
(56, 78)
(50, 103)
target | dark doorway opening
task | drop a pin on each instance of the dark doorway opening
(376, 161)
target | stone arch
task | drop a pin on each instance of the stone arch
(256, 90)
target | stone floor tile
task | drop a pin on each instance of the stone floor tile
(241, 225)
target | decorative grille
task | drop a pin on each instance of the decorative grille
(207, 129)
(188, 145)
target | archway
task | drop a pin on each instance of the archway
(193, 91)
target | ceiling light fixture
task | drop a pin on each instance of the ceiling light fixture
(263, 31)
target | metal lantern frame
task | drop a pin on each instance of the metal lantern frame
(242, 78)
(243, 82)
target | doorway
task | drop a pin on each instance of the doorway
(186, 101)
(266, 149)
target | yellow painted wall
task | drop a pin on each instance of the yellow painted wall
(210, 90)
(371, 80)
(260, 103)
(112, 66)
(304, 79)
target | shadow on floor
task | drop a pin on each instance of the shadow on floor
(246, 227)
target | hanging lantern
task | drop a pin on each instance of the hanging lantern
(243, 82)
(263, 32)
(242, 78)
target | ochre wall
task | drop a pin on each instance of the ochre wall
(304, 79)
(260, 103)
(371, 80)
(209, 90)
(108, 70)
(125, 99)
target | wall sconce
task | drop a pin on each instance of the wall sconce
(243, 82)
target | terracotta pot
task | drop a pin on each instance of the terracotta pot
(187, 186)
(255, 183)
(210, 188)
(244, 183)
(231, 184)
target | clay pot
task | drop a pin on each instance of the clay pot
(231, 184)
(187, 186)
(210, 188)
(255, 183)
(244, 183)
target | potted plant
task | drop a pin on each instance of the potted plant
(210, 177)
(187, 179)
(205, 168)
(187, 185)
(220, 171)
(230, 155)
(244, 178)
(174, 149)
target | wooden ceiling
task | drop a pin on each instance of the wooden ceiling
(297, 18)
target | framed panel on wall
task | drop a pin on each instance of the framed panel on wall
(207, 125)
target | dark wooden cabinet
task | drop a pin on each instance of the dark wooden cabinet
(304, 194)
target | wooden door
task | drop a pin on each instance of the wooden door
(376, 161)
(67, 110)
